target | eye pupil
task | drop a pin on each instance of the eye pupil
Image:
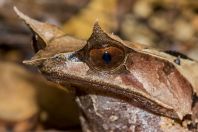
(106, 57)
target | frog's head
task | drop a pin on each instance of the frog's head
(107, 65)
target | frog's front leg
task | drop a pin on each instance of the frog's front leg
(102, 113)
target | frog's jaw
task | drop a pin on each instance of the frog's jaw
(68, 71)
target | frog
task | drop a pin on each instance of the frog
(118, 85)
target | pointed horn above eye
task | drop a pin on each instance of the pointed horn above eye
(100, 37)
(44, 30)
(97, 33)
(97, 28)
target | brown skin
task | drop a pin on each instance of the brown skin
(136, 76)
(107, 69)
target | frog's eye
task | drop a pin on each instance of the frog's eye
(106, 58)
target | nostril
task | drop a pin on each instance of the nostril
(37, 43)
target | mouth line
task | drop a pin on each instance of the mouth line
(131, 97)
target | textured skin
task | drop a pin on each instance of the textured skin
(112, 114)
(102, 113)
